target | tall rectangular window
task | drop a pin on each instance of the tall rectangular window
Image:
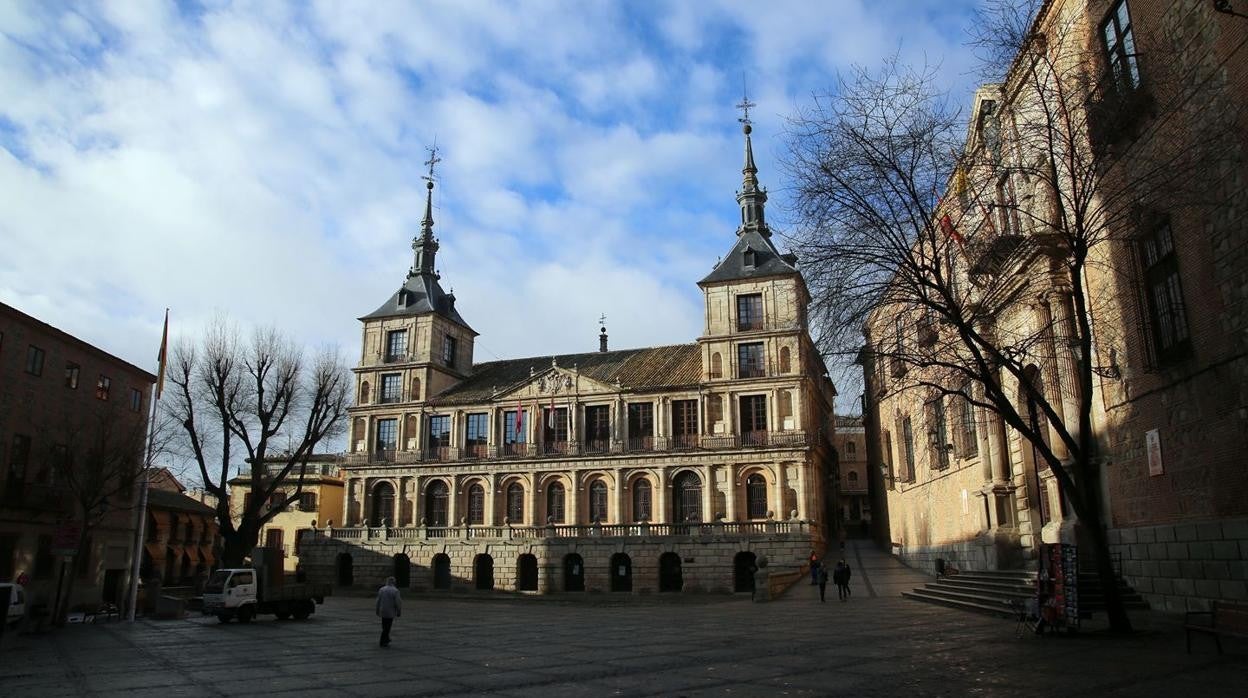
(307, 501)
(970, 435)
(753, 417)
(477, 434)
(907, 436)
(750, 360)
(555, 429)
(396, 345)
(19, 458)
(391, 387)
(937, 435)
(685, 422)
(44, 561)
(136, 400)
(597, 427)
(640, 425)
(439, 434)
(750, 312)
(1167, 312)
(1120, 47)
(450, 347)
(387, 434)
(34, 360)
(102, 386)
(71, 375)
(514, 426)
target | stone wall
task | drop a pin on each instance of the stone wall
(1181, 567)
(707, 563)
(989, 551)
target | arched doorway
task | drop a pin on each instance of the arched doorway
(686, 497)
(756, 496)
(441, 571)
(476, 505)
(573, 573)
(435, 504)
(743, 567)
(621, 572)
(483, 571)
(554, 502)
(346, 570)
(382, 508)
(402, 571)
(641, 500)
(598, 501)
(526, 573)
(670, 575)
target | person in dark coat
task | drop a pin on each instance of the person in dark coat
(823, 583)
(841, 575)
(389, 607)
(814, 568)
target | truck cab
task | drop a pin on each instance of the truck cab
(229, 590)
(246, 592)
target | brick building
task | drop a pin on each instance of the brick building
(59, 396)
(1168, 315)
(654, 469)
(853, 486)
(181, 543)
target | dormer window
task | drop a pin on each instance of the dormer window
(748, 258)
(402, 298)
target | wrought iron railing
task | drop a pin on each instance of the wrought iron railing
(557, 531)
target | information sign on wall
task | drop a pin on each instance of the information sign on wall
(1152, 443)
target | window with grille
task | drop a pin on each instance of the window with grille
(970, 436)
(1167, 312)
(907, 437)
(938, 435)
(435, 503)
(476, 505)
(387, 434)
(554, 502)
(307, 501)
(687, 497)
(756, 496)
(598, 501)
(641, 500)
(515, 503)
(136, 400)
(396, 345)
(750, 312)
(555, 428)
(391, 387)
(1119, 44)
(750, 360)
(753, 414)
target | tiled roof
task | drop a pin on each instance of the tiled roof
(767, 260)
(636, 369)
(164, 499)
(424, 295)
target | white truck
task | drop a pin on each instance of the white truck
(246, 592)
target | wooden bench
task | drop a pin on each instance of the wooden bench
(1227, 618)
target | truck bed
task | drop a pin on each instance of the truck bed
(298, 590)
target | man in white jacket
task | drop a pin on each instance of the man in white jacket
(389, 607)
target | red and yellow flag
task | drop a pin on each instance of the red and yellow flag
(164, 352)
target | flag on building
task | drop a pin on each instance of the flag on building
(162, 356)
(946, 227)
(550, 414)
(519, 422)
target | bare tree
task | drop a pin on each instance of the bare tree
(260, 402)
(1067, 159)
(94, 458)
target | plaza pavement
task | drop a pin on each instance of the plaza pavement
(875, 644)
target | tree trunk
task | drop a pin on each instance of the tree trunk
(1115, 609)
(238, 545)
(65, 587)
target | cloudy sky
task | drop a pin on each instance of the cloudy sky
(263, 159)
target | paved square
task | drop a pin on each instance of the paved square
(875, 644)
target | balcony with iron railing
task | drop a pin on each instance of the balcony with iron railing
(556, 449)
(708, 530)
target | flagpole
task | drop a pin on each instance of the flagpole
(141, 512)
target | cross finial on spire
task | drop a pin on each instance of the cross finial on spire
(433, 160)
(745, 105)
(603, 319)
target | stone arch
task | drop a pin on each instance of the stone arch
(474, 501)
(642, 489)
(441, 565)
(345, 570)
(621, 572)
(381, 501)
(757, 495)
(573, 572)
(483, 572)
(786, 362)
(402, 571)
(671, 574)
(513, 502)
(744, 565)
(599, 500)
(563, 484)
(687, 496)
(437, 501)
(526, 572)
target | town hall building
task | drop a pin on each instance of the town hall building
(662, 468)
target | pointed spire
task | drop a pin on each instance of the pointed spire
(424, 246)
(751, 197)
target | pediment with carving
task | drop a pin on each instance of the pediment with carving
(557, 383)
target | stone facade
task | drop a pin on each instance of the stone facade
(987, 503)
(727, 436)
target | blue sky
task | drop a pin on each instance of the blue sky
(263, 159)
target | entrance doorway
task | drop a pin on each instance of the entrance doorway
(483, 572)
(743, 568)
(526, 573)
(402, 571)
(346, 570)
(441, 571)
(670, 576)
(621, 572)
(573, 573)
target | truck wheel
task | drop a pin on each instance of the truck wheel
(245, 614)
(283, 612)
(303, 610)
(223, 617)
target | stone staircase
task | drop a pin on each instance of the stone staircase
(991, 591)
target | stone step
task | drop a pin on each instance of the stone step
(959, 581)
(969, 603)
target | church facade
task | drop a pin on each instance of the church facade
(655, 469)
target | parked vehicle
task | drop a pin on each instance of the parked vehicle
(246, 592)
(17, 602)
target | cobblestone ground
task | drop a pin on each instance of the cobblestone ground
(875, 644)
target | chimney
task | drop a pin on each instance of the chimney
(602, 339)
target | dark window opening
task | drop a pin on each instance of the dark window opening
(34, 361)
(597, 428)
(750, 360)
(391, 387)
(753, 419)
(750, 312)
(477, 434)
(756, 496)
(641, 500)
(1120, 52)
(1167, 311)
(102, 386)
(396, 345)
(476, 505)
(450, 347)
(71, 375)
(555, 430)
(554, 502)
(685, 423)
(598, 501)
(515, 503)
(435, 504)
(640, 426)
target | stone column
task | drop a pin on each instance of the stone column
(491, 500)
(730, 498)
(418, 505)
(573, 505)
(1049, 374)
(369, 446)
(452, 502)
(778, 499)
(1067, 366)
(730, 413)
(708, 493)
(530, 514)
(660, 513)
(619, 497)
(803, 490)
(495, 428)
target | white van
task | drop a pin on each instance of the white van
(17, 603)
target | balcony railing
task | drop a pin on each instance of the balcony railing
(548, 449)
(716, 529)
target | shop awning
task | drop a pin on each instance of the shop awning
(155, 550)
(205, 552)
(193, 553)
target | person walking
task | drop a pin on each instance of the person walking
(814, 568)
(823, 583)
(841, 575)
(389, 607)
